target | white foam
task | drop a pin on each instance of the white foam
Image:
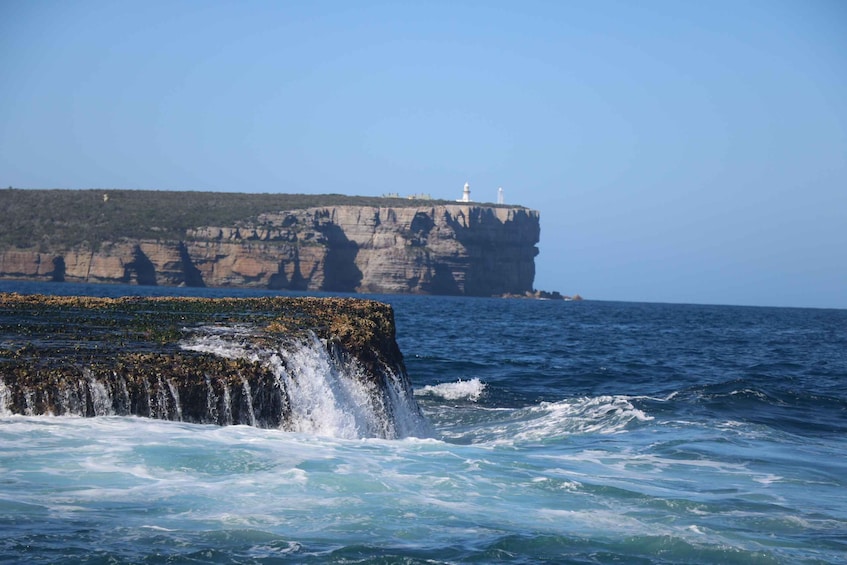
(5, 400)
(322, 400)
(768, 479)
(325, 397)
(460, 390)
(101, 400)
(223, 341)
(550, 420)
(158, 528)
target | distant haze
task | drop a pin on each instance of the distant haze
(677, 151)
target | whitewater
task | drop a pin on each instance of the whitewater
(553, 432)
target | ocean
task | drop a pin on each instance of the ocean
(555, 432)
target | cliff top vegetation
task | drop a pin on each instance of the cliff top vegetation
(57, 218)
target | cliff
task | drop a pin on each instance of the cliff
(298, 364)
(436, 248)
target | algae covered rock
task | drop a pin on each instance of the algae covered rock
(207, 360)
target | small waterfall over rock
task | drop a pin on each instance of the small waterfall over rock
(323, 392)
(5, 400)
(300, 387)
(323, 366)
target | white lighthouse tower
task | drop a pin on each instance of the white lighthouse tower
(466, 194)
(500, 199)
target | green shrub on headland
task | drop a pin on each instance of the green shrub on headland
(67, 218)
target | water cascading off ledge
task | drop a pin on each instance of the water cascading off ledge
(326, 366)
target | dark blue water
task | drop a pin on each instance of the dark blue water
(565, 432)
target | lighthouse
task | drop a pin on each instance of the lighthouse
(466, 194)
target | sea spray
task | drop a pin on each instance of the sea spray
(325, 401)
(407, 417)
(471, 390)
(325, 395)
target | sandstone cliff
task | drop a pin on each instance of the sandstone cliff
(461, 249)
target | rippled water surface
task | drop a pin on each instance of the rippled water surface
(561, 432)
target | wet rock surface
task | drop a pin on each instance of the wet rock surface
(90, 356)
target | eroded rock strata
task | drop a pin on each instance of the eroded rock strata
(220, 361)
(459, 249)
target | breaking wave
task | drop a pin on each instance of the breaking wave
(543, 422)
(461, 390)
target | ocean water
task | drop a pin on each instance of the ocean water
(556, 432)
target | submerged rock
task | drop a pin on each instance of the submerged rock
(321, 365)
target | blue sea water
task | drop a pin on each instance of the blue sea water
(561, 432)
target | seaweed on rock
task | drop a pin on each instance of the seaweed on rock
(90, 356)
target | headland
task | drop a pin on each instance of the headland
(329, 242)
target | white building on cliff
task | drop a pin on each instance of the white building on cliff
(466, 194)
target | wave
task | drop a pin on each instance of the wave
(774, 404)
(543, 422)
(600, 414)
(470, 390)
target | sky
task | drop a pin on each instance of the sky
(690, 152)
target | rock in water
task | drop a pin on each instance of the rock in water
(329, 366)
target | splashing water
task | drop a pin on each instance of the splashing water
(100, 398)
(591, 415)
(325, 396)
(302, 386)
(5, 400)
(471, 389)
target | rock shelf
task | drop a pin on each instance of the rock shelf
(86, 356)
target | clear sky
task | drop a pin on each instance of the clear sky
(677, 151)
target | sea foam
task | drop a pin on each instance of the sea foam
(460, 390)
(325, 396)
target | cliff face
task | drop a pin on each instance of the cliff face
(461, 249)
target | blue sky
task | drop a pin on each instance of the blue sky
(677, 151)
